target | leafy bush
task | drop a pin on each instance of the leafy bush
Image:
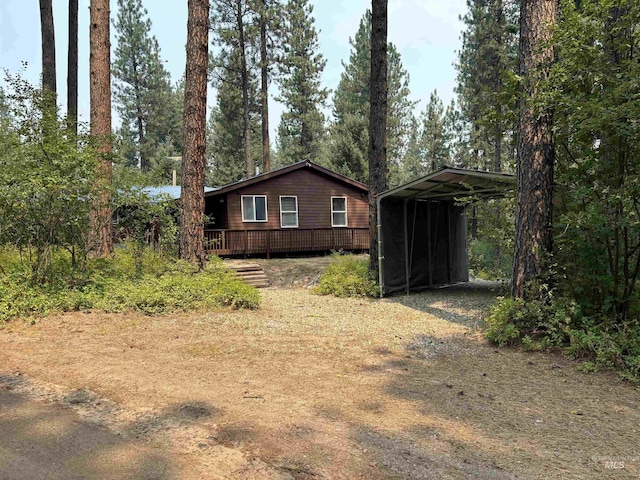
(152, 284)
(347, 276)
(538, 326)
(488, 262)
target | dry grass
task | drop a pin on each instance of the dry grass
(320, 387)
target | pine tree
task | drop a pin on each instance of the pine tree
(301, 129)
(269, 12)
(349, 132)
(101, 242)
(377, 123)
(487, 67)
(534, 191)
(48, 46)
(142, 87)
(195, 117)
(72, 68)
(433, 139)
(225, 154)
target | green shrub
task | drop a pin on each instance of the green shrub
(501, 323)
(146, 281)
(347, 276)
(537, 326)
(487, 262)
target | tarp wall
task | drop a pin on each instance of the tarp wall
(424, 244)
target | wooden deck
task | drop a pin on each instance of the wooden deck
(267, 242)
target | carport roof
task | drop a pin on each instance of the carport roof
(449, 183)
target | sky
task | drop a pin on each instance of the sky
(426, 33)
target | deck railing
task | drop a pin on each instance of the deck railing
(266, 242)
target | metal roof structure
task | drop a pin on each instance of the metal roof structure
(450, 183)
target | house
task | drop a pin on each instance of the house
(299, 208)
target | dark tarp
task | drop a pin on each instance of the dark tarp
(423, 231)
(433, 251)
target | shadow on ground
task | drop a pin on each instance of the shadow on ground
(503, 414)
(40, 439)
(469, 298)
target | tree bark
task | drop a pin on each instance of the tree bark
(264, 71)
(100, 243)
(194, 140)
(48, 46)
(245, 90)
(72, 68)
(533, 241)
(377, 122)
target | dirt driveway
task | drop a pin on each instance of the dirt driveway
(316, 387)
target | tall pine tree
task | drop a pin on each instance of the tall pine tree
(349, 141)
(100, 239)
(301, 131)
(487, 67)
(195, 117)
(225, 154)
(142, 87)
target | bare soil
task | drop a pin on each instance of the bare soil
(312, 387)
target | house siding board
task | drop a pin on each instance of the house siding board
(314, 191)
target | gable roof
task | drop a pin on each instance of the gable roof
(283, 171)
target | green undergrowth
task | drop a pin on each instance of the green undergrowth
(560, 325)
(137, 280)
(347, 276)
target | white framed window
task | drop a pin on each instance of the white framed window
(254, 208)
(288, 212)
(338, 211)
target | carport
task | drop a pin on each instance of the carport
(422, 227)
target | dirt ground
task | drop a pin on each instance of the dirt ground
(309, 387)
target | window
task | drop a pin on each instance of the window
(338, 211)
(289, 212)
(254, 208)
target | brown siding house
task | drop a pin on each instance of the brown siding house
(300, 208)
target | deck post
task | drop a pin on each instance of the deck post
(313, 234)
(246, 242)
(268, 243)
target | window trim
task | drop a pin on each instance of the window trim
(253, 197)
(296, 211)
(345, 211)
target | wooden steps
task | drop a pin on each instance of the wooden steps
(251, 273)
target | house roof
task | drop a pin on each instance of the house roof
(283, 171)
(449, 183)
(172, 191)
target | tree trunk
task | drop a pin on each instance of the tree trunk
(72, 68)
(48, 46)
(377, 122)
(144, 162)
(264, 71)
(497, 86)
(100, 243)
(533, 241)
(194, 140)
(245, 90)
